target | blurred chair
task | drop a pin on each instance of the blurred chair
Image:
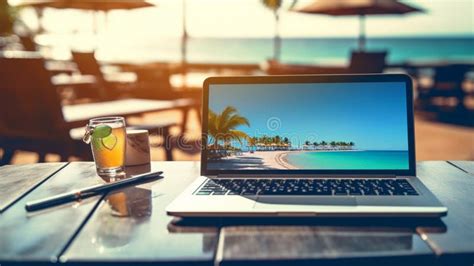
(119, 87)
(31, 115)
(88, 65)
(28, 43)
(154, 83)
(367, 62)
(30, 112)
(447, 84)
(361, 62)
(151, 83)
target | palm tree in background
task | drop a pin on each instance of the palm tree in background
(274, 6)
(223, 126)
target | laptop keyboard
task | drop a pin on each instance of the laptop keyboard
(308, 187)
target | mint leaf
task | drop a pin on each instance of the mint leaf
(101, 131)
(97, 143)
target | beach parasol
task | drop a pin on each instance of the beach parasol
(95, 5)
(85, 5)
(91, 5)
(359, 8)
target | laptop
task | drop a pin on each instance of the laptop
(309, 145)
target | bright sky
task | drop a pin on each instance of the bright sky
(249, 18)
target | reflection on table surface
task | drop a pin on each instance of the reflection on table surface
(134, 219)
(286, 238)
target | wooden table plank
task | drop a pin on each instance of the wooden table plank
(17, 180)
(41, 236)
(466, 166)
(132, 226)
(455, 189)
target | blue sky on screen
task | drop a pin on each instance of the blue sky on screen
(373, 115)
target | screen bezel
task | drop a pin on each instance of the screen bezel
(411, 171)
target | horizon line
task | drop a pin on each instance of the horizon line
(403, 36)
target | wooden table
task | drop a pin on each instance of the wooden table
(131, 226)
(79, 114)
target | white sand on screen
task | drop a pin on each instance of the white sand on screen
(256, 160)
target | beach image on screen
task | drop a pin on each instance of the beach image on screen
(330, 126)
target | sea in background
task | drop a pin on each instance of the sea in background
(349, 160)
(294, 50)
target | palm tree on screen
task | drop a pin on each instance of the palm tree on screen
(340, 144)
(351, 144)
(222, 127)
(323, 144)
(277, 139)
(252, 142)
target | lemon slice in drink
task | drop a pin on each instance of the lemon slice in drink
(109, 142)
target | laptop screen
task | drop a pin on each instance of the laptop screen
(308, 126)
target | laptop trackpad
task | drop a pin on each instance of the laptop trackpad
(268, 201)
